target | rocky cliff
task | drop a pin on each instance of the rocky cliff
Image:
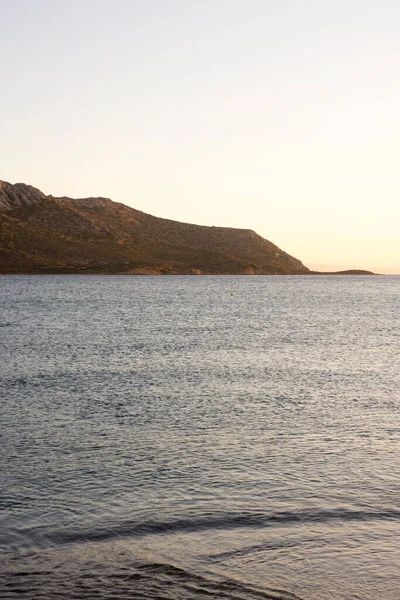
(44, 234)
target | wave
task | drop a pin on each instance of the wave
(149, 581)
(130, 528)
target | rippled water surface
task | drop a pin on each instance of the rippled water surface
(200, 437)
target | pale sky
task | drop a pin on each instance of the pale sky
(278, 116)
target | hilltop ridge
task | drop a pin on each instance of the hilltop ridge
(46, 234)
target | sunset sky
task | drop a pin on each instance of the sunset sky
(282, 117)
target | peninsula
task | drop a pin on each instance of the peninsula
(45, 234)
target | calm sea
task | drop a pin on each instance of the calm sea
(182, 438)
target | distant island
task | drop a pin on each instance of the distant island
(346, 272)
(44, 234)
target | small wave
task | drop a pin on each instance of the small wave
(217, 522)
(148, 581)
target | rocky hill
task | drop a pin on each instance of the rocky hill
(44, 234)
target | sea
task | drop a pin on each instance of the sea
(199, 438)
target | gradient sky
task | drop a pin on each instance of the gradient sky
(282, 117)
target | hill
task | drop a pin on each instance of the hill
(44, 234)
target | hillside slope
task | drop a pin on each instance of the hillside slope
(44, 234)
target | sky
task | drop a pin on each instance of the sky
(275, 115)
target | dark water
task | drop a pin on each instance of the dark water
(185, 438)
